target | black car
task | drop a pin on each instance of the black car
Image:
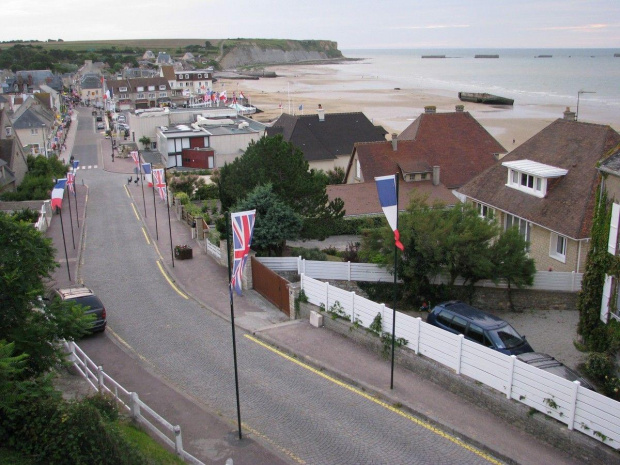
(548, 363)
(85, 297)
(478, 326)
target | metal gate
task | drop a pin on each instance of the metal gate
(271, 286)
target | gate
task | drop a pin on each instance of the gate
(271, 286)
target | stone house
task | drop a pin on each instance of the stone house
(546, 187)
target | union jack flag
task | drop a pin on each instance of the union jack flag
(70, 181)
(136, 157)
(242, 229)
(160, 182)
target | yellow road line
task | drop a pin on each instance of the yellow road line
(161, 268)
(127, 192)
(287, 452)
(409, 417)
(135, 212)
(148, 241)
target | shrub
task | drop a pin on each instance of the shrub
(598, 366)
(182, 198)
(351, 253)
(309, 254)
(105, 404)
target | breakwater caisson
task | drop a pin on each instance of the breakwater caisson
(486, 56)
(433, 56)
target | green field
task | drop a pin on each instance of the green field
(92, 45)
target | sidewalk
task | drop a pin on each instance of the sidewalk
(342, 357)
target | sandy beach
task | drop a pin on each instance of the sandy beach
(394, 109)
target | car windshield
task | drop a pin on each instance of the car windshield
(506, 337)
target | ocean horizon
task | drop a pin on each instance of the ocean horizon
(533, 77)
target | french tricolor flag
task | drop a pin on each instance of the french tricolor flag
(146, 167)
(386, 188)
(58, 193)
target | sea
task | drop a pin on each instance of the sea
(539, 80)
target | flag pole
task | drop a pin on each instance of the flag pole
(71, 215)
(168, 206)
(77, 218)
(154, 207)
(232, 322)
(395, 291)
(142, 184)
(62, 227)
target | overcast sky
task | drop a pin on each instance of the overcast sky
(351, 23)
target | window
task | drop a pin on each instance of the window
(163, 94)
(162, 87)
(525, 227)
(557, 248)
(423, 176)
(151, 87)
(151, 94)
(358, 169)
(475, 333)
(123, 96)
(445, 318)
(140, 89)
(122, 89)
(9, 131)
(187, 76)
(199, 76)
(458, 324)
(141, 96)
(484, 210)
(613, 229)
(34, 131)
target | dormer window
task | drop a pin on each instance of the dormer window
(122, 89)
(140, 89)
(531, 177)
(151, 87)
(162, 87)
(199, 76)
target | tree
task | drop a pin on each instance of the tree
(275, 221)
(510, 261)
(35, 328)
(272, 160)
(146, 141)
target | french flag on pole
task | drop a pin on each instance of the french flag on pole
(58, 193)
(242, 229)
(386, 188)
(146, 168)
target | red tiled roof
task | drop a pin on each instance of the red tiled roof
(568, 206)
(362, 199)
(455, 142)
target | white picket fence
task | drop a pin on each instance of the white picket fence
(102, 382)
(213, 250)
(347, 271)
(568, 402)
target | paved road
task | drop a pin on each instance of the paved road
(298, 413)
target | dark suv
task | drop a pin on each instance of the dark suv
(478, 326)
(85, 297)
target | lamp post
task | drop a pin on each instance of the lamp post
(44, 144)
(578, 95)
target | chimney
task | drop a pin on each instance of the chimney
(430, 109)
(394, 141)
(321, 113)
(435, 175)
(569, 115)
(459, 108)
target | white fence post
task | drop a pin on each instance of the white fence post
(572, 282)
(573, 404)
(382, 316)
(134, 405)
(459, 352)
(352, 307)
(71, 349)
(303, 265)
(299, 271)
(178, 440)
(326, 296)
(301, 281)
(418, 323)
(511, 374)
(349, 271)
(100, 377)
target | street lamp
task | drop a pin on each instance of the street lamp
(578, 95)
(44, 144)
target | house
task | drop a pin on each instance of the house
(139, 93)
(34, 125)
(195, 83)
(148, 55)
(453, 143)
(163, 59)
(207, 143)
(546, 187)
(610, 182)
(13, 165)
(91, 89)
(34, 79)
(326, 140)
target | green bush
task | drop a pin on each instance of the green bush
(598, 366)
(105, 404)
(182, 198)
(206, 191)
(308, 254)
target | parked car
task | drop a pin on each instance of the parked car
(478, 326)
(85, 297)
(548, 363)
(121, 119)
(100, 125)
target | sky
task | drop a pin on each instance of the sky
(354, 24)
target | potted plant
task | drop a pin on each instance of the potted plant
(182, 252)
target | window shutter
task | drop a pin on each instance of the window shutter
(613, 229)
(606, 296)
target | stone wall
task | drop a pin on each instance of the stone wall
(523, 299)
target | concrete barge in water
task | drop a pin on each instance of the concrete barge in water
(484, 98)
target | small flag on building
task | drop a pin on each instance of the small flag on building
(386, 188)
(242, 229)
(58, 193)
